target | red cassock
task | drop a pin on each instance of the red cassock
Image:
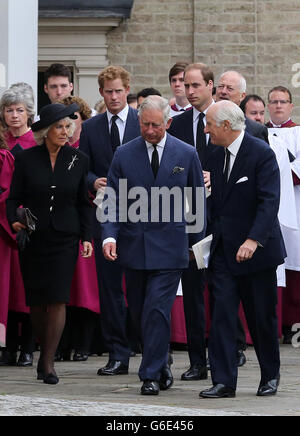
(11, 283)
(17, 292)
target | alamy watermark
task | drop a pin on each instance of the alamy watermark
(157, 205)
(296, 336)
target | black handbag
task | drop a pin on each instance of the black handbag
(26, 218)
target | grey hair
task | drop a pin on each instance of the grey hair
(229, 111)
(18, 94)
(242, 80)
(40, 135)
(158, 103)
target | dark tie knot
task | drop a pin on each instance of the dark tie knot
(114, 118)
(201, 115)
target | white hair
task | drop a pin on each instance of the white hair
(229, 111)
(158, 103)
(41, 134)
(242, 81)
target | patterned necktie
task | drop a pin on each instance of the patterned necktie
(201, 138)
(155, 160)
(114, 133)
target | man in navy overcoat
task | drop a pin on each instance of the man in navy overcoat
(154, 249)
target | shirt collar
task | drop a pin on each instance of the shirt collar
(279, 125)
(122, 114)
(196, 112)
(180, 107)
(235, 145)
(161, 143)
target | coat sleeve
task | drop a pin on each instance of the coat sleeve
(197, 228)
(268, 197)
(84, 145)
(17, 190)
(84, 206)
(110, 206)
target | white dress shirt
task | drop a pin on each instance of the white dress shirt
(233, 148)
(196, 119)
(121, 121)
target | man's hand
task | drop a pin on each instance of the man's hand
(246, 250)
(100, 183)
(206, 177)
(109, 251)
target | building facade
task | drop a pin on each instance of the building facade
(259, 38)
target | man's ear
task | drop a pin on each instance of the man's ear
(169, 122)
(101, 91)
(46, 88)
(227, 125)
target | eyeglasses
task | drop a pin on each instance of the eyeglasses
(275, 102)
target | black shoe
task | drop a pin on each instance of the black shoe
(241, 358)
(166, 378)
(113, 367)
(50, 379)
(25, 359)
(8, 358)
(195, 372)
(268, 388)
(150, 387)
(218, 391)
(80, 357)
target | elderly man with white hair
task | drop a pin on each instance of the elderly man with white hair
(232, 86)
(246, 249)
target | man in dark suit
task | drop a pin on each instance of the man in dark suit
(232, 86)
(100, 137)
(189, 127)
(153, 249)
(246, 249)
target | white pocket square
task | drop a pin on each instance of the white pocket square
(243, 179)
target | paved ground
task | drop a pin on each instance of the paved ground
(81, 392)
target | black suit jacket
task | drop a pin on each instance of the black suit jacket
(95, 142)
(56, 197)
(247, 206)
(182, 128)
(256, 129)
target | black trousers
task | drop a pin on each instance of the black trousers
(193, 284)
(258, 293)
(112, 306)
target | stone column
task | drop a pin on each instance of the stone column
(19, 42)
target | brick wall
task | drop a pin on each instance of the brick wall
(259, 38)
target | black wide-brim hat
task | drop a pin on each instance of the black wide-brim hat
(54, 112)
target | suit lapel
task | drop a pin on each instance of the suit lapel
(130, 127)
(104, 137)
(168, 161)
(239, 164)
(144, 167)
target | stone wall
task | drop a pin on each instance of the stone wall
(259, 38)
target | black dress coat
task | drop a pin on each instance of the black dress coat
(59, 199)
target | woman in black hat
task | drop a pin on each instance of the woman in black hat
(50, 180)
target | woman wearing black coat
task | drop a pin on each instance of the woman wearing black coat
(50, 180)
